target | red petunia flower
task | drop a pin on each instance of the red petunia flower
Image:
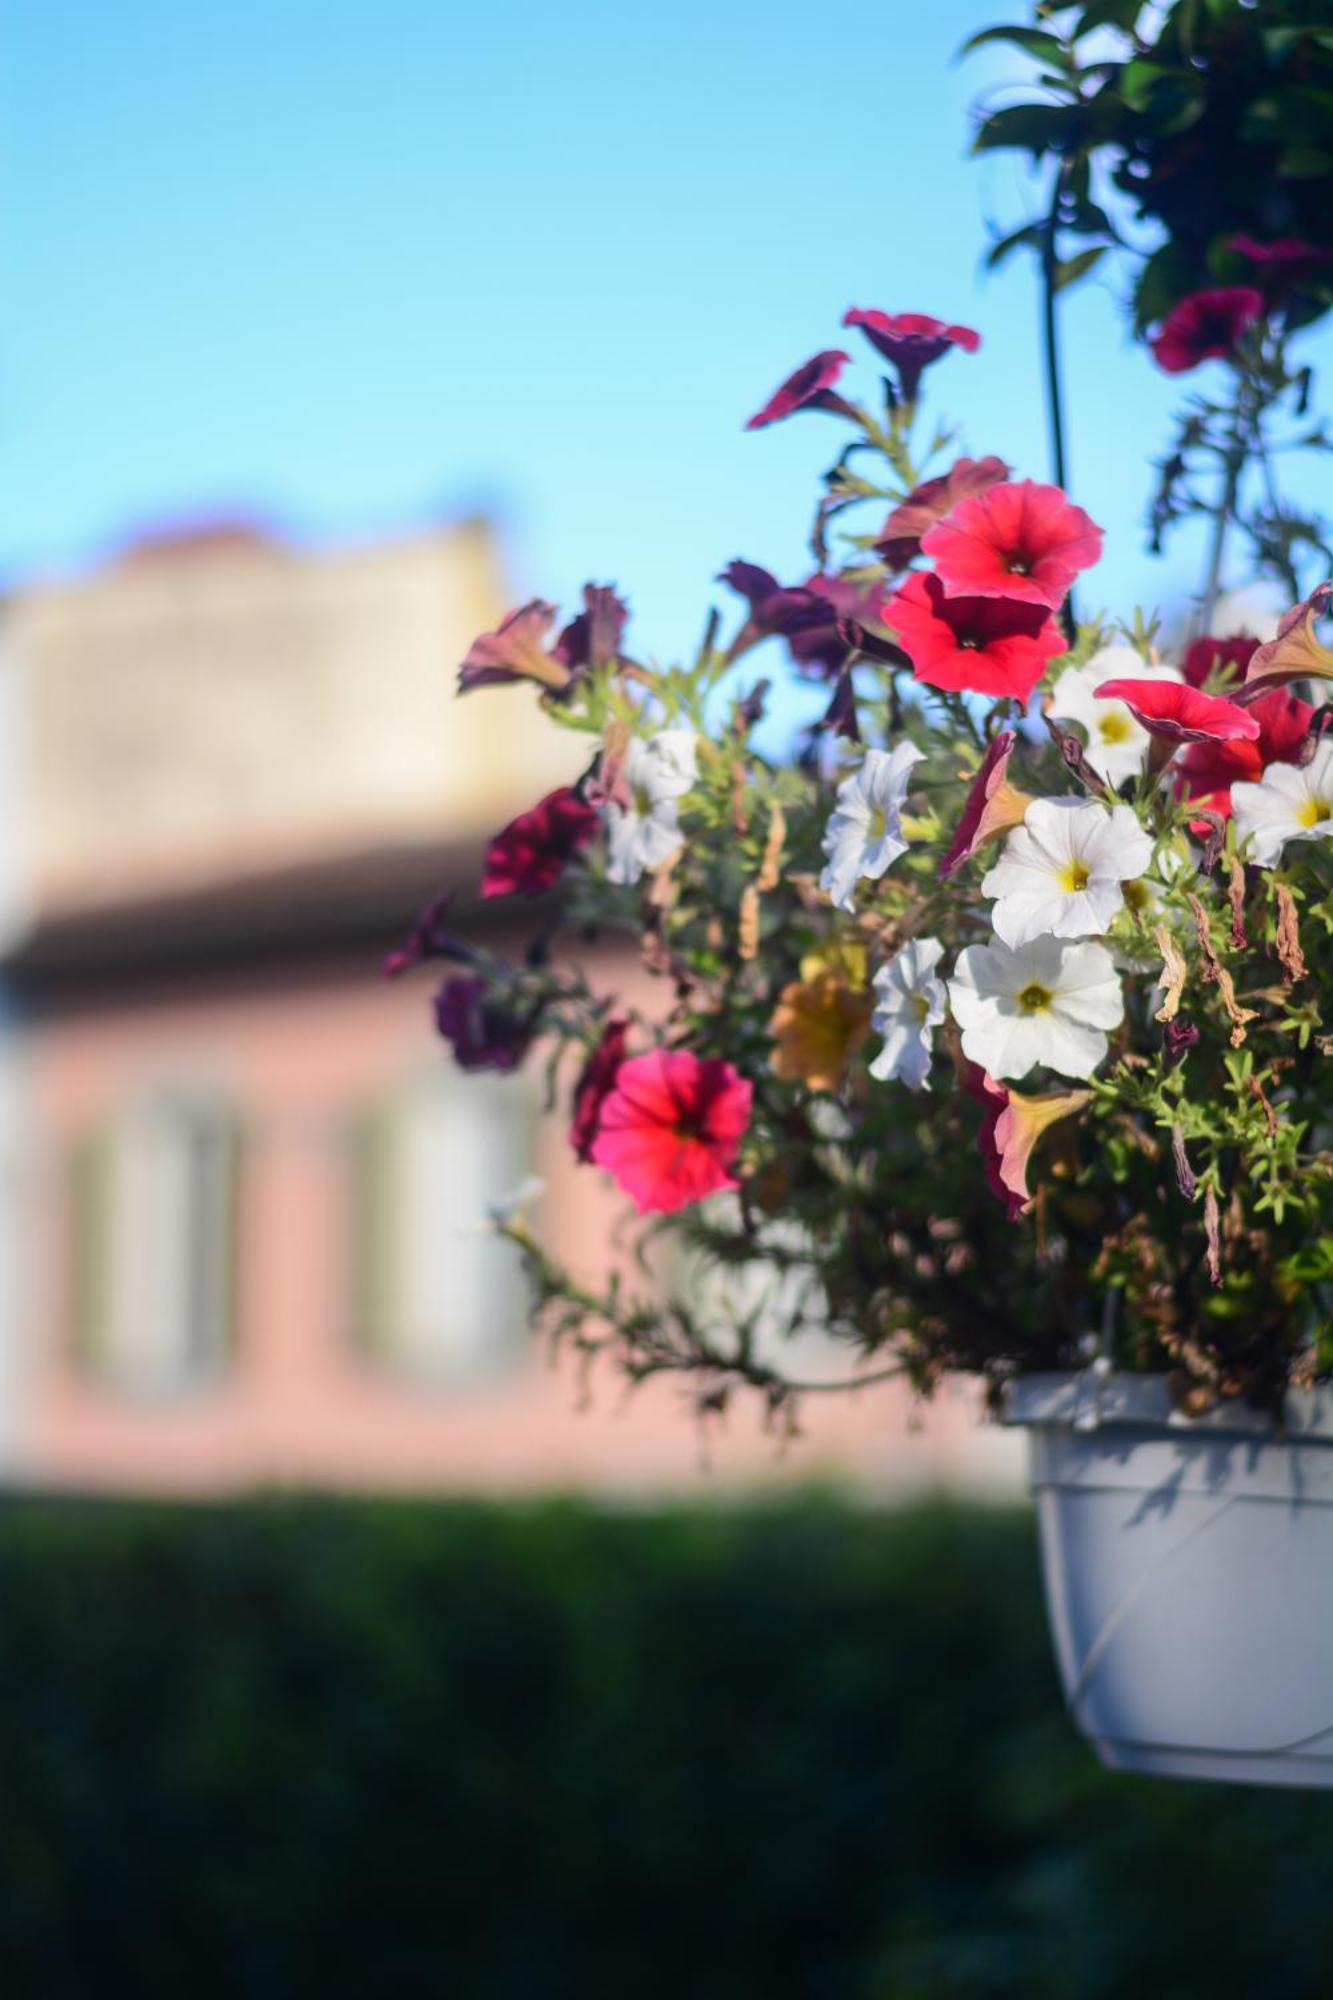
(980, 645)
(1023, 541)
(900, 537)
(596, 1082)
(670, 1130)
(808, 388)
(533, 851)
(1284, 265)
(1206, 326)
(1207, 771)
(1175, 713)
(992, 806)
(911, 341)
(1208, 655)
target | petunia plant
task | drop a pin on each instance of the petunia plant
(984, 1033)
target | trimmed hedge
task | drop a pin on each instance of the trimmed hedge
(523, 1753)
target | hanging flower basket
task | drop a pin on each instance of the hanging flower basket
(974, 990)
(1189, 1575)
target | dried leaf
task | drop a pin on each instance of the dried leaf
(770, 867)
(1212, 1229)
(1289, 936)
(1174, 973)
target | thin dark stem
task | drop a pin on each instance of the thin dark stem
(1233, 466)
(1051, 351)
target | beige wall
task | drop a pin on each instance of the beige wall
(204, 712)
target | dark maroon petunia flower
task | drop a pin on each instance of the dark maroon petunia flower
(900, 537)
(593, 636)
(976, 645)
(516, 651)
(596, 1082)
(1284, 265)
(911, 341)
(1023, 541)
(807, 615)
(1209, 655)
(533, 851)
(1206, 326)
(428, 938)
(810, 387)
(485, 1029)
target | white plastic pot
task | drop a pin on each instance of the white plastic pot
(1189, 1575)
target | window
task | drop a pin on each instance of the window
(153, 1203)
(436, 1295)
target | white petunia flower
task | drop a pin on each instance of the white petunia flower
(1290, 802)
(1116, 742)
(647, 833)
(911, 1002)
(864, 833)
(1061, 871)
(1049, 1002)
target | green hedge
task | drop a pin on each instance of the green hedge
(523, 1753)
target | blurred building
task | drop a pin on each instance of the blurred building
(245, 1188)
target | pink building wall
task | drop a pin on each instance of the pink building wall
(298, 1404)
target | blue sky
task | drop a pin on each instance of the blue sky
(350, 268)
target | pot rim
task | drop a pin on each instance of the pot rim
(1099, 1398)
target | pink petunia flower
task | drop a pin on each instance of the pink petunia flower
(1295, 653)
(1207, 771)
(596, 1082)
(809, 387)
(992, 806)
(900, 537)
(1206, 326)
(1176, 713)
(533, 851)
(911, 342)
(1011, 1124)
(670, 1129)
(1023, 541)
(979, 645)
(516, 651)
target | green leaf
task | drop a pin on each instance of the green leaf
(1029, 236)
(1121, 14)
(1033, 42)
(1139, 79)
(1031, 128)
(1069, 270)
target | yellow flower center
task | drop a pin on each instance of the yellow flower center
(1114, 727)
(879, 824)
(1074, 877)
(1034, 999)
(1314, 811)
(921, 1007)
